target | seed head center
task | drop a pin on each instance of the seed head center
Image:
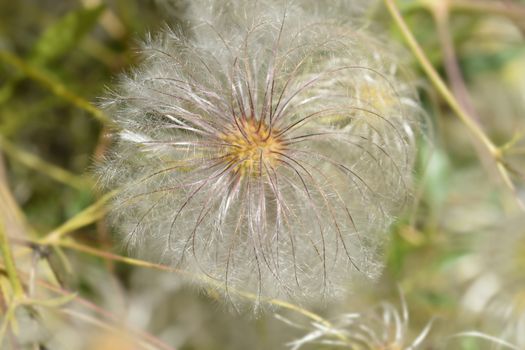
(252, 147)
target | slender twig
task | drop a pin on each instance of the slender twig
(492, 150)
(9, 263)
(34, 162)
(9, 314)
(145, 264)
(451, 64)
(55, 86)
(95, 211)
(86, 217)
(512, 10)
(436, 79)
(103, 313)
(145, 344)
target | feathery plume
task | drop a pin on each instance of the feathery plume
(383, 327)
(268, 149)
(496, 291)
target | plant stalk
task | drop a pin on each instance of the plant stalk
(493, 151)
(9, 263)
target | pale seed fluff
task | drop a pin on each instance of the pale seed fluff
(383, 327)
(268, 149)
(496, 288)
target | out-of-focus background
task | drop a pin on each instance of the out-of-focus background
(456, 259)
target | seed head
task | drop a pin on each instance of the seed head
(268, 149)
(384, 327)
(496, 290)
(252, 147)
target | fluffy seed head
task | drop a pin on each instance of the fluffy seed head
(252, 147)
(496, 291)
(382, 328)
(268, 149)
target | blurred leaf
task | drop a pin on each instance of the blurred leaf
(58, 39)
(449, 259)
(437, 177)
(406, 6)
(469, 344)
(438, 299)
(399, 249)
(36, 163)
(54, 302)
(84, 218)
(65, 34)
(473, 65)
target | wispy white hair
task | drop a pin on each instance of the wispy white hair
(313, 209)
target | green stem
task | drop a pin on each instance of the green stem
(55, 86)
(513, 10)
(492, 150)
(450, 61)
(34, 162)
(437, 81)
(145, 264)
(86, 217)
(9, 263)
